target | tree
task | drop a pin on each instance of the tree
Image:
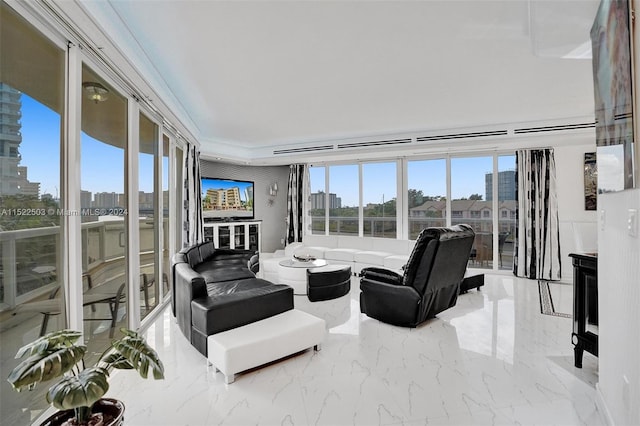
(26, 212)
(477, 197)
(415, 198)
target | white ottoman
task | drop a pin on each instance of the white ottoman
(295, 278)
(263, 341)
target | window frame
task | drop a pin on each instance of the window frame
(402, 214)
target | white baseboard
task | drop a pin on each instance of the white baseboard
(602, 407)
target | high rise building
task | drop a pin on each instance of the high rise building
(223, 199)
(25, 187)
(10, 139)
(13, 178)
(506, 185)
(85, 199)
(105, 200)
(317, 200)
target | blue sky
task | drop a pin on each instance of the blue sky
(102, 164)
(379, 179)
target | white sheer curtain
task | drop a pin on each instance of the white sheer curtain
(537, 251)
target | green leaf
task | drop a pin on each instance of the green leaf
(43, 366)
(50, 341)
(130, 333)
(81, 390)
(139, 355)
(116, 360)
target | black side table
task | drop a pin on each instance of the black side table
(585, 305)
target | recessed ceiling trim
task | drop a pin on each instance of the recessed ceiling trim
(374, 143)
(305, 149)
(623, 116)
(542, 129)
(462, 135)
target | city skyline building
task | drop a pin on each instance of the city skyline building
(506, 185)
(318, 200)
(13, 176)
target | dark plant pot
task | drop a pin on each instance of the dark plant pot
(111, 410)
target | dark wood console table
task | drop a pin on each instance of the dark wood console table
(585, 305)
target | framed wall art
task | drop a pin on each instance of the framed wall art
(590, 181)
(612, 79)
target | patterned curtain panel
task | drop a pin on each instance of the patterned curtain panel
(296, 190)
(193, 225)
(537, 248)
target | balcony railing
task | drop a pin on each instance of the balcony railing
(30, 258)
(386, 227)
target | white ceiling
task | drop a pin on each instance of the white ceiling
(249, 75)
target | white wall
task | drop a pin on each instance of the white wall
(619, 288)
(578, 229)
(619, 308)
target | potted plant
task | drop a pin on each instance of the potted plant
(79, 392)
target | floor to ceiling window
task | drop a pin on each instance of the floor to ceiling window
(148, 226)
(166, 250)
(344, 200)
(31, 274)
(469, 205)
(437, 194)
(379, 190)
(104, 203)
(507, 205)
(427, 194)
(66, 228)
(317, 209)
(178, 186)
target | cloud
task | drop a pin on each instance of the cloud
(610, 168)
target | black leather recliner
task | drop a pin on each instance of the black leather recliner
(430, 283)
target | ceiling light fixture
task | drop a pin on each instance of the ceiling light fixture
(96, 92)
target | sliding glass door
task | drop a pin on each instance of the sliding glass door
(343, 200)
(148, 214)
(507, 205)
(318, 200)
(469, 205)
(426, 195)
(103, 154)
(32, 291)
(379, 191)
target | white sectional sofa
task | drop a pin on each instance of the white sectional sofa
(356, 252)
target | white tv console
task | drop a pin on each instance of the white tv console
(234, 234)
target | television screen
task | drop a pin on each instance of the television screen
(226, 199)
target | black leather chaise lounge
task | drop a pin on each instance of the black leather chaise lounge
(430, 283)
(215, 290)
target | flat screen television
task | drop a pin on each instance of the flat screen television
(226, 199)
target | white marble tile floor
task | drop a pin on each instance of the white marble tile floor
(493, 359)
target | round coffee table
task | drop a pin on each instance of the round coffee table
(293, 263)
(293, 273)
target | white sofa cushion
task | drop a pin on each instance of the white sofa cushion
(311, 240)
(342, 254)
(391, 245)
(372, 257)
(351, 242)
(395, 262)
